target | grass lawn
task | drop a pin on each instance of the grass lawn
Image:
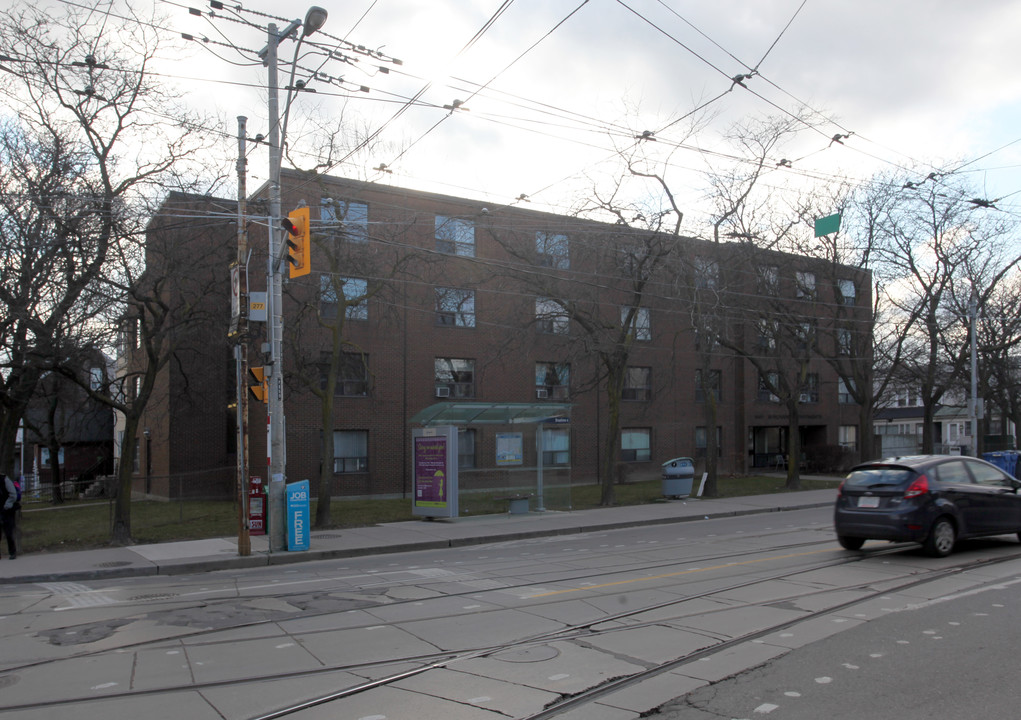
(78, 525)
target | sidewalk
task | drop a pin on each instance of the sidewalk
(196, 556)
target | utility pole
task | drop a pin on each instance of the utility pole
(975, 404)
(276, 445)
(239, 331)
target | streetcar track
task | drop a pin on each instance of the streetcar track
(585, 629)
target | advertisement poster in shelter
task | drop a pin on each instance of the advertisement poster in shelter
(435, 481)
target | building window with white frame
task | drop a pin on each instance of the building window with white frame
(350, 451)
(553, 250)
(556, 447)
(767, 382)
(714, 381)
(455, 307)
(344, 220)
(805, 285)
(848, 436)
(635, 445)
(845, 388)
(352, 375)
(707, 274)
(552, 380)
(455, 377)
(637, 384)
(550, 317)
(702, 441)
(768, 279)
(847, 294)
(455, 236)
(353, 291)
(809, 392)
(640, 321)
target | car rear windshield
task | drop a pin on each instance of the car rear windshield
(879, 476)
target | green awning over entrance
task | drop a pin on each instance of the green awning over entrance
(483, 413)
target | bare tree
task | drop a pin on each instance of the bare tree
(90, 137)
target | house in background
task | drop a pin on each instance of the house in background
(63, 420)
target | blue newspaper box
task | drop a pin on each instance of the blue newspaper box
(299, 520)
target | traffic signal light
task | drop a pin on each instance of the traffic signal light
(257, 384)
(299, 241)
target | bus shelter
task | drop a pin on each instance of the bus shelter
(501, 456)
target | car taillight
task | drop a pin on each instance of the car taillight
(840, 489)
(919, 487)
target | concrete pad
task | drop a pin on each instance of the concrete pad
(151, 707)
(480, 629)
(165, 667)
(482, 692)
(258, 698)
(652, 693)
(737, 622)
(598, 711)
(650, 643)
(327, 623)
(395, 704)
(731, 661)
(811, 631)
(160, 552)
(254, 658)
(377, 643)
(90, 677)
(425, 609)
(562, 667)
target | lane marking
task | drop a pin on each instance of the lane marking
(683, 572)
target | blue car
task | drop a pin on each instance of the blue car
(934, 500)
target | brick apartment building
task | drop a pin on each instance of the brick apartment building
(448, 300)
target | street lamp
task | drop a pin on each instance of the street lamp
(276, 446)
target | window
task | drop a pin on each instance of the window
(637, 384)
(552, 250)
(639, 320)
(96, 378)
(810, 389)
(845, 388)
(343, 220)
(702, 441)
(556, 446)
(552, 380)
(846, 292)
(768, 279)
(805, 336)
(843, 341)
(985, 475)
(352, 291)
(455, 307)
(350, 451)
(707, 274)
(465, 448)
(805, 282)
(766, 384)
(550, 317)
(713, 383)
(352, 375)
(136, 462)
(455, 377)
(634, 445)
(848, 436)
(455, 236)
(768, 330)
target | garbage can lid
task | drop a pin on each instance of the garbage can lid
(679, 462)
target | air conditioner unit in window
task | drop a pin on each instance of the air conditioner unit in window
(541, 393)
(442, 392)
(774, 398)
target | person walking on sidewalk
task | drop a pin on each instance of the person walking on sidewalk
(9, 511)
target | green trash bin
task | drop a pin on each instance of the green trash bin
(678, 475)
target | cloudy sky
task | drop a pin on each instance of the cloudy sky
(554, 88)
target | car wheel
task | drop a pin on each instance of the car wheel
(850, 543)
(942, 537)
